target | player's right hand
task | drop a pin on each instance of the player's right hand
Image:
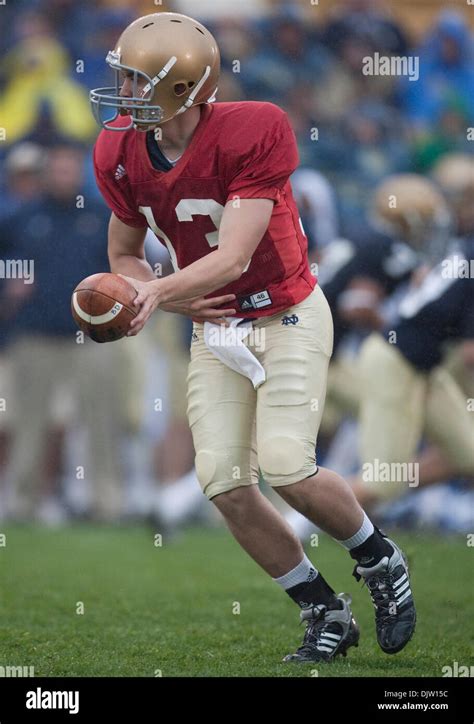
(203, 310)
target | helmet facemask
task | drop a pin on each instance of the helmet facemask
(144, 114)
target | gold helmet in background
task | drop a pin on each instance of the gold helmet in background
(454, 174)
(174, 63)
(410, 207)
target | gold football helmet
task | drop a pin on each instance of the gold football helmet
(174, 63)
(410, 207)
(454, 173)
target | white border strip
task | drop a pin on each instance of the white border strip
(98, 318)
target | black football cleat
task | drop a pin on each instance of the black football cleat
(389, 586)
(329, 632)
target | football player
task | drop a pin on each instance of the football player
(358, 275)
(211, 180)
(362, 278)
(422, 395)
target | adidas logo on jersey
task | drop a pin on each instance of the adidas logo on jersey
(255, 301)
(120, 172)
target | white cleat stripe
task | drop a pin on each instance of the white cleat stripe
(402, 588)
(400, 580)
(405, 595)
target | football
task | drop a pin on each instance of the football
(102, 306)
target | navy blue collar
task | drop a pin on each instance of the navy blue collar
(157, 157)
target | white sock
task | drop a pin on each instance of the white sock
(364, 532)
(304, 572)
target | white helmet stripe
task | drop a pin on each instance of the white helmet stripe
(162, 74)
(190, 100)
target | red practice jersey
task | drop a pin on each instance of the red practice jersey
(243, 150)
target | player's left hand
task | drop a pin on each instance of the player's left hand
(146, 301)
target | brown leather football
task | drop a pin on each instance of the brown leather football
(102, 306)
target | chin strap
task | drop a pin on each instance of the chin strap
(192, 96)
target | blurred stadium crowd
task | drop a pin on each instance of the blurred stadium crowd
(100, 432)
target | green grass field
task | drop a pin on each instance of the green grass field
(170, 608)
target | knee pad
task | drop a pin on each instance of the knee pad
(217, 473)
(284, 460)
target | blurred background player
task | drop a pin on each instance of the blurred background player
(362, 278)
(55, 237)
(23, 172)
(435, 314)
(421, 393)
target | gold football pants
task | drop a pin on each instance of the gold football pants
(238, 430)
(399, 404)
